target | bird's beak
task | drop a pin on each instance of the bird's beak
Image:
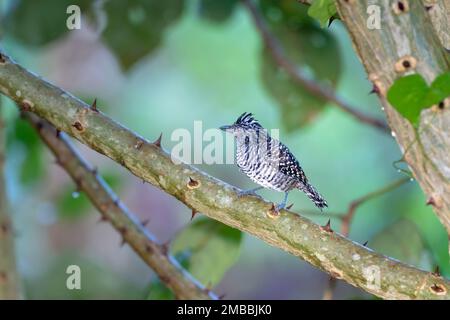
(225, 128)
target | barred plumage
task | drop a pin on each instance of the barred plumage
(268, 162)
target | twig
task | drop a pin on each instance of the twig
(9, 277)
(276, 51)
(115, 212)
(347, 218)
(288, 231)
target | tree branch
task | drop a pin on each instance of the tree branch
(355, 204)
(277, 53)
(9, 277)
(114, 211)
(408, 35)
(326, 250)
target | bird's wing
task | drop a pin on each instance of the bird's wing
(290, 166)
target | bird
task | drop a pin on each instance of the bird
(268, 162)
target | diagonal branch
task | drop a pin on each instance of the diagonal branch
(288, 231)
(114, 211)
(355, 204)
(9, 277)
(276, 51)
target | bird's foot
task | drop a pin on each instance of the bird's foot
(281, 206)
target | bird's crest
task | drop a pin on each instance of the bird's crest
(247, 120)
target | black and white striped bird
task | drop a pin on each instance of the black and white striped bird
(268, 162)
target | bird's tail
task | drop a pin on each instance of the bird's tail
(314, 195)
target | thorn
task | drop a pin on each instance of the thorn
(165, 248)
(94, 171)
(375, 89)
(145, 222)
(289, 206)
(327, 227)
(194, 212)
(331, 20)
(221, 296)
(58, 133)
(143, 181)
(27, 105)
(94, 105)
(273, 212)
(207, 289)
(148, 249)
(365, 243)
(193, 184)
(436, 272)
(116, 202)
(102, 219)
(138, 145)
(438, 289)
(123, 231)
(157, 143)
(77, 125)
(39, 126)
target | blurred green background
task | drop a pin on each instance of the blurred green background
(156, 66)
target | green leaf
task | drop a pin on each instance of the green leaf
(217, 11)
(411, 94)
(407, 96)
(401, 240)
(39, 22)
(210, 247)
(439, 90)
(136, 27)
(322, 10)
(313, 50)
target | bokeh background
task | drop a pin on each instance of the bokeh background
(156, 66)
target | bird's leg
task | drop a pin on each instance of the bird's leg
(283, 204)
(251, 192)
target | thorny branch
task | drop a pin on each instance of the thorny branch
(327, 250)
(114, 211)
(319, 90)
